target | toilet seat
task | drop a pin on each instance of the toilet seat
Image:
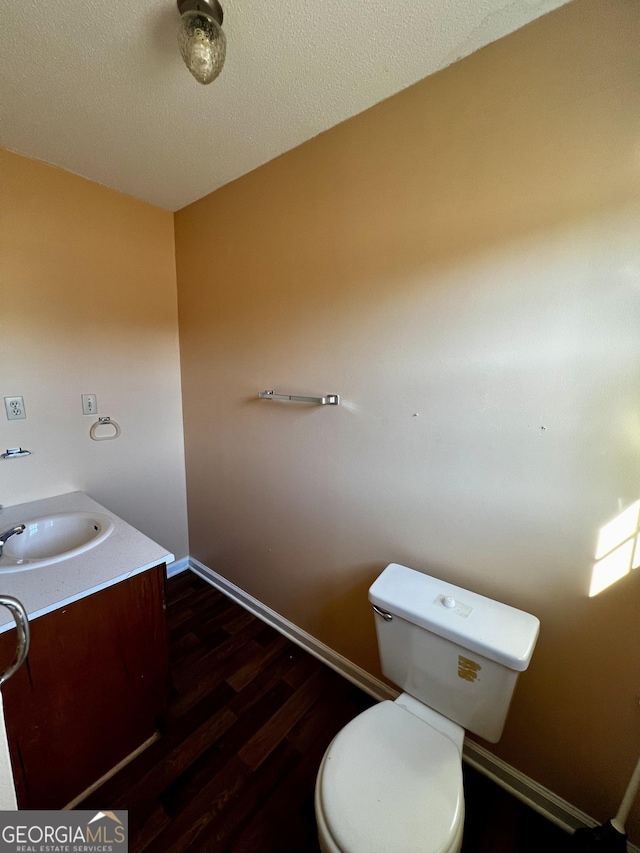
(390, 782)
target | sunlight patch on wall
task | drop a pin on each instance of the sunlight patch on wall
(618, 549)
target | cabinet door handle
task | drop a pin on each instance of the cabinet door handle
(24, 636)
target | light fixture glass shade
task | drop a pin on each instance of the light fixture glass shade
(203, 45)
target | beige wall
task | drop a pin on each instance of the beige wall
(89, 306)
(461, 263)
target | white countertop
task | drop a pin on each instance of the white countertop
(124, 553)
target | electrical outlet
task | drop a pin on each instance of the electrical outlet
(15, 408)
(89, 404)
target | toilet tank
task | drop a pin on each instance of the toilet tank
(454, 650)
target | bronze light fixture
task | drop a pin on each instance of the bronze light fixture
(203, 44)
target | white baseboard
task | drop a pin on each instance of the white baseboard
(178, 566)
(537, 797)
(541, 799)
(373, 686)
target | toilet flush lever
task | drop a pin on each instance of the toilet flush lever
(386, 616)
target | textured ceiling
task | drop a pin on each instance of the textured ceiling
(100, 89)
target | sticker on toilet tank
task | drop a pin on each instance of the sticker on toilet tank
(468, 669)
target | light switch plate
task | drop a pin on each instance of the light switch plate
(89, 404)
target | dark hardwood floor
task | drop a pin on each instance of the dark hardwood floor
(250, 717)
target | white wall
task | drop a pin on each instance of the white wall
(89, 306)
(466, 252)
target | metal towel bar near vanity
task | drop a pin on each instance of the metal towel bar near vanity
(328, 400)
(23, 634)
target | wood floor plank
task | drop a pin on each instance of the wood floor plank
(231, 823)
(183, 756)
(322, 721)
(256, 664)
(254, 752)
(284, 802)
(263, 683)
(237, 621)
(143, 835)
(196, 679)
(195, 730)
(197, 610)
(188, 785)
(188, 825)
(305, 666)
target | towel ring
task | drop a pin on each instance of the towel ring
(104, 422)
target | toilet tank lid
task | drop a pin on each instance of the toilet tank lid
(499, 632)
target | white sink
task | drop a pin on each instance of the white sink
(53, 538)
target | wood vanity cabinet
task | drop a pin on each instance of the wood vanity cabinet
(92, 691)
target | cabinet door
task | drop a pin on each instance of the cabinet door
(91, 691)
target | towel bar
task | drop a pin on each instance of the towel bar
(328, 400)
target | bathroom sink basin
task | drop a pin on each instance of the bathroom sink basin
(53, 538)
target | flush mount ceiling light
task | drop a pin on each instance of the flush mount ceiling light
(202, 42)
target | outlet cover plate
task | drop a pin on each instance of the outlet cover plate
(15, 408)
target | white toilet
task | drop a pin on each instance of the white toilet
(391, 780)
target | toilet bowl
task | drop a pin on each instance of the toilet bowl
(391, 780)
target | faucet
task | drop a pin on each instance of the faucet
(19, 528)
